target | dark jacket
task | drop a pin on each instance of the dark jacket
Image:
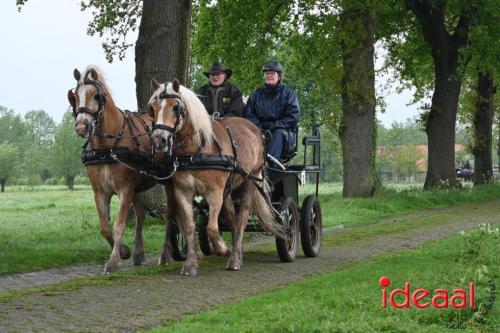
(272, 108)
(225, 99)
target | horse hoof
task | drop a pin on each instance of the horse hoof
(233, 266)
(139, 259)
(189, 271)
(124, 252)
(110, 268)
(165, 260)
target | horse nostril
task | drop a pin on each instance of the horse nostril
(163, 142)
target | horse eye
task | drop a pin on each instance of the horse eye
(96, 97)
(151, 111)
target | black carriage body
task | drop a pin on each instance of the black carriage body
(285, 183)
(305, 220)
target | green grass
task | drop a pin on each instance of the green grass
(56, 227)
(45, 227)
(350, 300)
(394, 199)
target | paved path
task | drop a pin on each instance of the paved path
(147, 301)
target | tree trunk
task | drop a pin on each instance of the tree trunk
(445, 47)
(356, 130)
(440, 125)
(162, 47)
(483, 123)
(70, 181)
(2, 185)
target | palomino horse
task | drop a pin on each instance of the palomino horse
(111, 131)
(184, 130)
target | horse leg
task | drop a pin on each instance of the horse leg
(184, 217)
(166, 256)
(102, 202)
(138, 243)
(230, 217)
(236, 259)
(126, 198)
(214, 200)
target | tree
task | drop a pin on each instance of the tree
(9, 160)
(482, 122)
(40, 132)
(356, 130)
(162, 48)
(429, 50)
(66, 151)
(305, 35)
(12, 127)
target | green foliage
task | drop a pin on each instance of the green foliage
(242, 34)
(66, 150)
(9, 162)
(12, 127)
(40, 133)
(40, 127)
(114, 19)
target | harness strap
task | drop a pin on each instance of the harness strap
(84, 110)
(104, 156)
(206, 162)
(164, 127)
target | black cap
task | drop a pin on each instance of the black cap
(218, 67)
(272, 65)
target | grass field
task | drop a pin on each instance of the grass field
(54, 227)
(350, 300)
(51, 227)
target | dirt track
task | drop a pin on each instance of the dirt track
(141, 302)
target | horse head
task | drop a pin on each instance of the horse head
(168, 111)
(87, 99)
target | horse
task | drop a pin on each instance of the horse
(111, 134)
(183, 132)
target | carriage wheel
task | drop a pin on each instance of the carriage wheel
(205, 246)
(311, 222)
(179, 243)
(287, 248)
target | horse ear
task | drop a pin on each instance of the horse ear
(71, 98)
(176, 85)
(93, 74)
(154, 85)
(77, 74)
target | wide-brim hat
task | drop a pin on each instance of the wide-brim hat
(218, 67)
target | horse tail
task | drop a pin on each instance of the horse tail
(261, 207)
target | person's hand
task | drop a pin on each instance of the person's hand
(268, 135)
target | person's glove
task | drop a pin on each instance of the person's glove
(268, 135)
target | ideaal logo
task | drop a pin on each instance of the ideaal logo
(423, 298)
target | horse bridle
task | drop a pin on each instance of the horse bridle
(178, 110)
(101, 100)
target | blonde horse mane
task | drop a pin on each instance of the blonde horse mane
(196, 113)
(100, 77)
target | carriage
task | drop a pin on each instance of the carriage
(210, 156)
(303, 223)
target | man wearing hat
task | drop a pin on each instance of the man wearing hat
(275, 110)
(219, 95)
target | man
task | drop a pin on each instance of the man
(275, 110)
(219, 95)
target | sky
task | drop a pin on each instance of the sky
(47, 40)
